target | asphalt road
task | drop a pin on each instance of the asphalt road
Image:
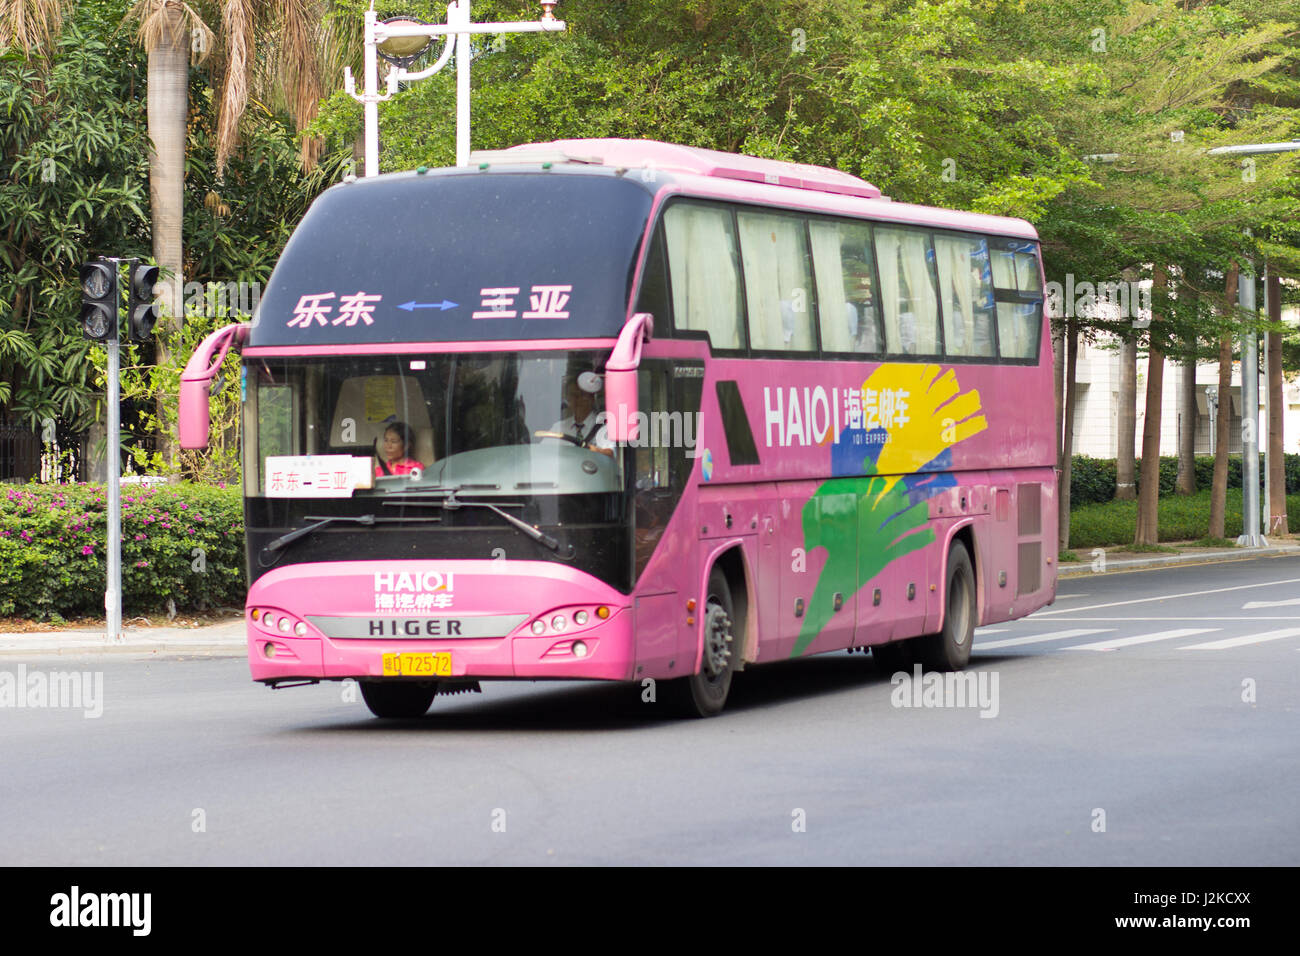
(1146, 718)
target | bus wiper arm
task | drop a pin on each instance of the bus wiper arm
(319, 522)
(451, 503)
(287, 539)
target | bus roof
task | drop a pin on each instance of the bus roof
(718, 175)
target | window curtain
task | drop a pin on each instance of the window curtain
(701, 254)
(838, 320)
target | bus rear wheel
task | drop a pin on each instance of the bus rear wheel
(398, 699)
(705, 694)
(949, 650)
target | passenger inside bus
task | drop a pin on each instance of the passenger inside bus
(393, 459)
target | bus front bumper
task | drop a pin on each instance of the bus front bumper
(474, 619)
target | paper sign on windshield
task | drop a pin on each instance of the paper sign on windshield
(316, 476)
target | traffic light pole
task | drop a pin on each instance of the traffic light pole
(113, 464)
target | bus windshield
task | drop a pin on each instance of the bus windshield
(495, 424)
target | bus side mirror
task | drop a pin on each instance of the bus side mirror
(621, 378)
(193, 421)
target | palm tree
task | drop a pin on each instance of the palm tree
(290, 32)
(29, 24)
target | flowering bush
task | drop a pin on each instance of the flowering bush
(184, 542)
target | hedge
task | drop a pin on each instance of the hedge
(184, 542)
(1181, 518)
(1092, 480)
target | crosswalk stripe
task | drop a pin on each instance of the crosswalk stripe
(1037, 638)
(1243, 641)
(1111, 644)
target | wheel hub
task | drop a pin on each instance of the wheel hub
(717, 641)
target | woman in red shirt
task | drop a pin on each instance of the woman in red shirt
(398, 439)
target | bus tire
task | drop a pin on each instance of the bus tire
(704, 694)
(949, 650)
(398, 699)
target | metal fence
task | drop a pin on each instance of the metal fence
(24, 455)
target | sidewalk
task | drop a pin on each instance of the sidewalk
(226, 639)
(1088, 565)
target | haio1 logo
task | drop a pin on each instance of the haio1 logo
(794, 416)
(418, 591)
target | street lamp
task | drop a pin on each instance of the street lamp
(386, 39)
(1250, 504)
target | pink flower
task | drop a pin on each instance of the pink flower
(25, 536)
(88, 550)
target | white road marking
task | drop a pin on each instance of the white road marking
(1167, 597)
(1113, 643)
(1252, 605)
(991, 630)
(1039, 638)
(1237, 619)
(1243, 641)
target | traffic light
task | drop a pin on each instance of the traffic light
(141, 311)
(99, 300)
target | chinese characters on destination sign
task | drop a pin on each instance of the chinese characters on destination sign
(495, 302)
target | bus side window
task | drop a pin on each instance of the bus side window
(846, 297)
(966, 291)
(778, 283)
(1019, 293)
(652, 297)
(908, 295)
(703, 261)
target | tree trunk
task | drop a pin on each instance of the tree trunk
(1219, 481)
(167, 106)
(1276, 462)
(1067, 428)
(1187, 428)
(1148, 518)
(1125, 486)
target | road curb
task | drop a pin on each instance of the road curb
(163, 650)
(1085, 568)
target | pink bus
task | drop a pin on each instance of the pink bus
(631, 411)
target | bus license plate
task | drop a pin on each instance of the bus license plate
(417, 665)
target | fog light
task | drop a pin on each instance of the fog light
(559, 623)
(602, 612)
(300, 629)
(269, 650)
(580, 618)
(579, 649)
(538, 626)
(285, 624)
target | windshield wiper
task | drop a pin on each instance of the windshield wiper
(319, 522)
(451, 503)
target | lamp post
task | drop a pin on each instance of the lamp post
(383, 39)
(1250, 503)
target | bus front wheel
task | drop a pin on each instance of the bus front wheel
(397, 699)
(949, 650)
(704, 694)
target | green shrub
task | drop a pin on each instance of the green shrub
(1182, 518)
(1092, 480)
(184, 542)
